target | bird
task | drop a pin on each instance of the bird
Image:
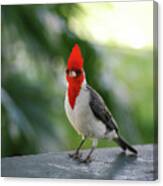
(87, 111)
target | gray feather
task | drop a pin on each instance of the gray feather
(100, 110)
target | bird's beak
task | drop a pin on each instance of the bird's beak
(72, 73)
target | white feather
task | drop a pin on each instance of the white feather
(82, 118)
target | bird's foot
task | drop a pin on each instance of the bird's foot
(76, 156)
(87, 160)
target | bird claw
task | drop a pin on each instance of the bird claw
(76, 156)
(87, 160)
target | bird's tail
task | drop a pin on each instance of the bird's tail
(124, 145)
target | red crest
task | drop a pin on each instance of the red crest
(75, 60)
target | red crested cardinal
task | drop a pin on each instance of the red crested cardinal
(86, 110)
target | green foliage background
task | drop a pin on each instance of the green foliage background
(36, 42)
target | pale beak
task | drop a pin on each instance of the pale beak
(72, 74)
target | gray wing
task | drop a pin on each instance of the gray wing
(100, 110)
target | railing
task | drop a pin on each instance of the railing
(108, 164)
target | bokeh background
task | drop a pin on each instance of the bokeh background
(116, 40)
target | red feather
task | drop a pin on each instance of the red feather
(75, 60)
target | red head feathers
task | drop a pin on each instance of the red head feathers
(75, 60)
(74, 74)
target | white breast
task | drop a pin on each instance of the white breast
(82, 118)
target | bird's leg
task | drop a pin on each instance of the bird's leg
(88, 157)
(76, 154)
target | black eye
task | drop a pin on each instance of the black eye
(67, 71)
(78, 72)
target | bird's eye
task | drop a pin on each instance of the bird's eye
(67, 71)
(78, 72)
